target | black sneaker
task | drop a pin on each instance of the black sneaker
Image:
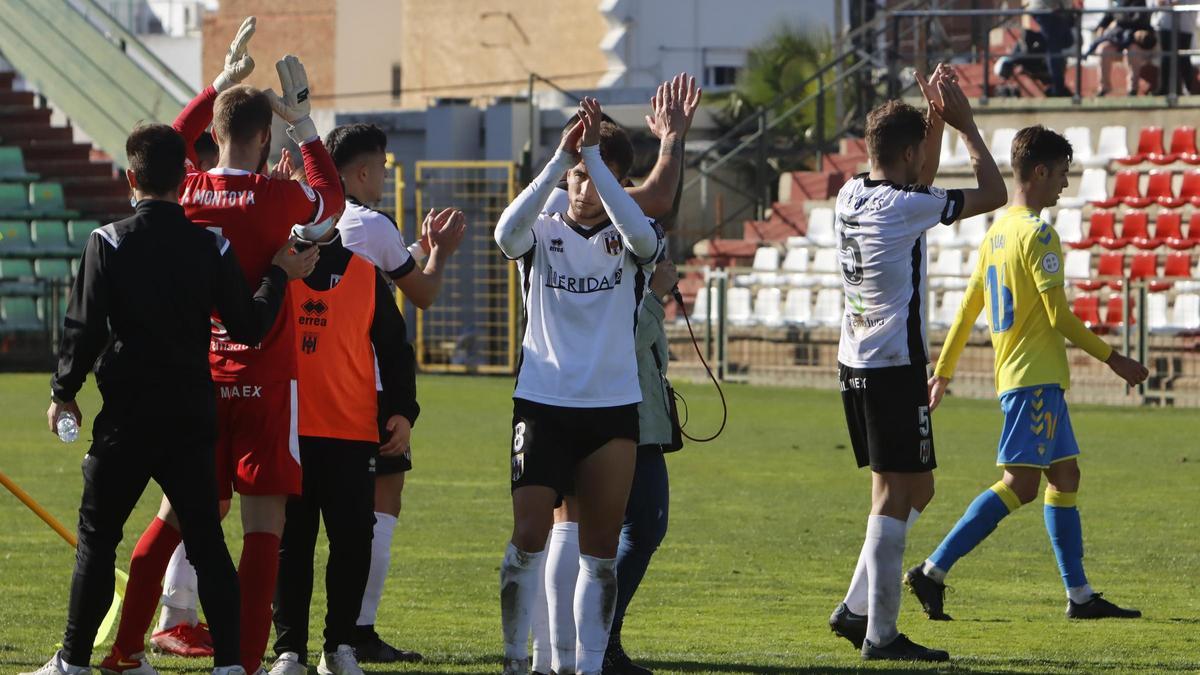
(617, 662)
(930, 593)
(1099, 608)
(370, 648)
(902, 649)
(849, 625)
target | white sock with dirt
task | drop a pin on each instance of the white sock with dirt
(562, 576)
(884, 549)
(381, 560)
(518, 589)
(179, 595)
(595, 604)
(856, 596)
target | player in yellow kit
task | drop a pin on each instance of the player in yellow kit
(1019, 283)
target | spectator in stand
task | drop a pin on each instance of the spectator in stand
(1187, 28)
(1132, 35)
(1056, 37)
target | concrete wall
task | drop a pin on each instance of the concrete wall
(182, 54)
(369, 35)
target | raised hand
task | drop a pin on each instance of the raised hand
(570, 140)
(955, 108)
(238, 63)
(446, 231)
(667, 118)
(283, 168)
(590, 116)
(293, 105)
(297, 264)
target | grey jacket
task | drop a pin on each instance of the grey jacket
(654, 417)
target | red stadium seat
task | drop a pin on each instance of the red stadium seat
(1183, 147)
(1126, 191)
(1159, 190)
(1087, 308)
(1150, 142)
(1178, 265)
(1133, 225)
(1143, 265)
(1167, 226)
(1189, 189)
(1100, 226)
(1191, 239)
(1112, 264)
(1114, 312)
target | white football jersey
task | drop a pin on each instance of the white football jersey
(374, 235)
(581, 289)
(880, 229)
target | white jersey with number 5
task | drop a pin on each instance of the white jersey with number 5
(880, 229)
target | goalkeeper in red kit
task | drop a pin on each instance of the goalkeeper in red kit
(257, 451)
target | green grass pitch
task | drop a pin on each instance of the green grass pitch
(766, 524)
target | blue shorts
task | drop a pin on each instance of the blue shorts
(1037, 428)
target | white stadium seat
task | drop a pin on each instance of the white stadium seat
(825, 268)
(1112, 145)
(1078, 265)
(1185, 315)
(1093, 186)
(795, 265)
(943, 317)
(820, 227)
(1080, 139)
(1069, 225)
(797, 308)
(1156, 312)
(1001, 146)
(954, 153)
(940, 236)
(972, 231)
(946, 268)
(766, 265)
(767, 307)
(700, 305)
(829, 308)
(972, 261)
(738, 310)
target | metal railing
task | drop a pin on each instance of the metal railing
(1076, 16)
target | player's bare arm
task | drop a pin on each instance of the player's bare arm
(672, 109)
(956, 111)
(445, 230)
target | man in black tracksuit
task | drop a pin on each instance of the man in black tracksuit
(142, 302)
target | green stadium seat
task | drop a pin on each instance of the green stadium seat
(80, 230)
(16, 270)
(20, 314)
(52, 268)
(14, 200)
(12, 165)
(46, 198)
(14, 238)
(50, 237)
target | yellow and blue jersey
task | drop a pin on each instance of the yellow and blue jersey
(1020, 258)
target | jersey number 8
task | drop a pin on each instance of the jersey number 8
(1002, 300)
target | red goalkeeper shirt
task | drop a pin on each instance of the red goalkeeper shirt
(256, 214)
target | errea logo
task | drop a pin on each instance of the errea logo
(314, 309)
(556, 245)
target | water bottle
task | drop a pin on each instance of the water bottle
(68, 428)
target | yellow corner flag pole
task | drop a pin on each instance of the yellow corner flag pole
(110, 619)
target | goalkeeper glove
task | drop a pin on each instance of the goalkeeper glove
(238, 63)
(293, 106)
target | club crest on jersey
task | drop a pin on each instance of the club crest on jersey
(612, 243)
(556, 245)
(308, 343)
(926, 450)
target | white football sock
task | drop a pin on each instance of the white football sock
(518, 589)
(934, 572)
(540, 622)
(381, 558)
(562, 576)
(856, 596)
(1080, 594)
(884, 548)
(595, 604)
(179, 595)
